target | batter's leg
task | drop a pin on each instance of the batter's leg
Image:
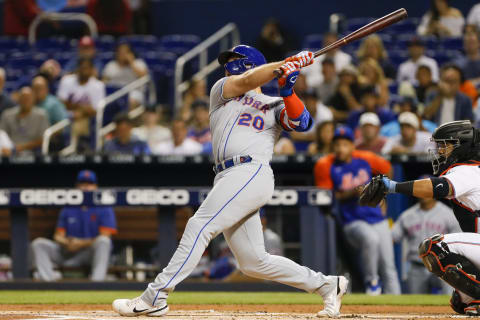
(362, 236)
(46, 253)
(237, 193)
(388, 271)
(247, 244)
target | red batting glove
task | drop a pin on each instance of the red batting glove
(289, 71)
(302, 59)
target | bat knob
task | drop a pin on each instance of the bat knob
(278, 73)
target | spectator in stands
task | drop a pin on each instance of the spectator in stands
(341, 60)
(197, 90)
(365, 228)
(369, 99)
(407, 70)
(200, 129)
(54, 108)
(425, 84)
(372, 47)
(112, 17)
(180, 144)
(284, 147)
(25, 124)
(427, 217)
(473, 18)
(406, 104)
(319, 113)
(81, 93)
(448, 103)
(326, 88)
(6, 145)
(17, 16)
(273, 42)
(82, 237)
(124, 142)
(5, 101)
(470, 62)
(323, 143)
(370, 138)
(442, 20)
(151, 131)
(124, 69)
(347, 95)
(410, 140)
(86, 49)
(371, 74)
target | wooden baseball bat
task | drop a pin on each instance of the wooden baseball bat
(362, 32)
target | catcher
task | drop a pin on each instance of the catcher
(456, 167)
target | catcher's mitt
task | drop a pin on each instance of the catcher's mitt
(373, 193)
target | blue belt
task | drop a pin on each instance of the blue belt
(231, 162)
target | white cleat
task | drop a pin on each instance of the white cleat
(332, 300)
(137, 307)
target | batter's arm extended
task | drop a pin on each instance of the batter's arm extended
(236, 85)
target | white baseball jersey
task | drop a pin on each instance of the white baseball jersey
(245, 125)
(465, 180)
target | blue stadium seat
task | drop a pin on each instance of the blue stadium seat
(165, 59)
(355, 23)
(408, 26)
(140, 42)
(178, 43)
(313, 41)
(105, 43)
(13, 44)
(452, 43)
(53, 44)
(397, 57)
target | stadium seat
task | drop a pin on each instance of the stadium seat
(140, 42)
(178, 43)
(452, 43)
(313, 41)
(105, 43)
(355, 23)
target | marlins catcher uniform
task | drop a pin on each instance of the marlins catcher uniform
(245, 125)
(454, 257)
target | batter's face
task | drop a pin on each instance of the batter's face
(343, 149)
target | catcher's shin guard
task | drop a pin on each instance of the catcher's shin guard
(456, 303)
(453, 268)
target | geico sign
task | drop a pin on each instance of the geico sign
(56, 196)
(284, 197)
(162, 197)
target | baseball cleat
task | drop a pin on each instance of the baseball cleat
(332, 300)
(473, 309)
(137, 307)
(373, 288)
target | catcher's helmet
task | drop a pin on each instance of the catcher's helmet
(461, 135)
(249, 59)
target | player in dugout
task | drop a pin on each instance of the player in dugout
(454, 257)
(366, 228)
(82, 238)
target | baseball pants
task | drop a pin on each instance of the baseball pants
(47, 253)
(232, 207)
(374, 241)
(468, 245)
(421, 281)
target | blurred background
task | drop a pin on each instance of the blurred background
(110, 97)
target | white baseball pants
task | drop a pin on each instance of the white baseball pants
(232, 207)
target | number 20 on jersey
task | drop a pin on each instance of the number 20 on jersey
(247, 120)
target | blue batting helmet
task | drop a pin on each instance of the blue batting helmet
(249, 59)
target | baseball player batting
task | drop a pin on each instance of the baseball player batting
(245, 125)
(455, 257)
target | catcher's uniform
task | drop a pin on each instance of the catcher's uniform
(244, 130)
(465, 181)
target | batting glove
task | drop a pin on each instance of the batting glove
(288, 79)
(390, 184)
(302, 59)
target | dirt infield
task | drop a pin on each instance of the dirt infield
(227, 312)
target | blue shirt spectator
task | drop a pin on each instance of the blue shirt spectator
(124, 142)
(200, 131)
(470, 62)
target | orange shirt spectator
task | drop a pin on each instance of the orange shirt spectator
(469, 89)
(321, 170)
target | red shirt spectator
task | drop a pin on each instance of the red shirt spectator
(112, 16)
(17, 16)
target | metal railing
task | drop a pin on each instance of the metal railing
(133, 114)
(53, 16)
(201, 50)
(134, 85)
(47, 135)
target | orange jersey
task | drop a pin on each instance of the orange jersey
(322, 168)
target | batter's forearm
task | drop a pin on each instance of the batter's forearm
(239, 84)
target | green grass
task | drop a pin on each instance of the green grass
(106, 297)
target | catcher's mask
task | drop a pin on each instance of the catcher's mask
(454, 142)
